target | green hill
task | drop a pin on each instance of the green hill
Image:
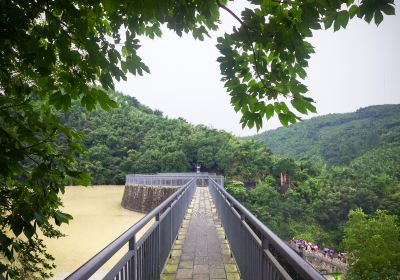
(337, 139)
(135, 139)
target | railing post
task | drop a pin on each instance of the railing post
(133, 262)
(158, 269)
(170, 230)
(264, 260)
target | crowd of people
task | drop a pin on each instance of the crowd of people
(303, 245)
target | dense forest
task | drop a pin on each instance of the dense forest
(135, 139)
(337, 139)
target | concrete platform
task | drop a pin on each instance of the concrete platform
(201, 251)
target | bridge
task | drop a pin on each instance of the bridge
(199, 232)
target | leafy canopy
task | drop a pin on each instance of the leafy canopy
(373, 245)
(54, 52)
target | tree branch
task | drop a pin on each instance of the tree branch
(230, 11)
(251, 44)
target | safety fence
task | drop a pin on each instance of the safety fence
(158, 180)
(172, 179)
(259, 253)
(146, 256)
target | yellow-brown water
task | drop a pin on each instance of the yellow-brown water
(98, 220)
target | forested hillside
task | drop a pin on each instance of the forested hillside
(335, 164)
(135, 139)
(316, 199)
(337, 139)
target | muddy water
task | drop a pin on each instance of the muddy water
(98, 220)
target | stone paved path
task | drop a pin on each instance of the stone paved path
(201, 251)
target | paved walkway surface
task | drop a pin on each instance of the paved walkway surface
(201, 251)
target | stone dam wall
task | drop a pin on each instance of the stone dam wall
(143, 199)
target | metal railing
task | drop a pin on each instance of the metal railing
(147, 256)
(171, 179)
(259, 253)
(157, 180)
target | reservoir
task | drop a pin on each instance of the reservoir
(98, 220)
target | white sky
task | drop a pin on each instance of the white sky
(352, 68)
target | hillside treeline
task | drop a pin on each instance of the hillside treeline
(135, 139)
(337, 139)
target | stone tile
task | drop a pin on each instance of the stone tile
(174, 260)
(200, 268)
(187, 256)
(230, 268)
(178, 246)
(227, 259)
(186, 264)
(184, 273)
(168, 277)
(201, 276)
(170, 268)
(217, 265)
(217, 273)
(233, 276)
(201, 260)
(176, 253)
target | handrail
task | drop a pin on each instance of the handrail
(170, 179)
(92, 265)
(301, 267)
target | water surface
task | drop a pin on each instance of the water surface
(98, 220)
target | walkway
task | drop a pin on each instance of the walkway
(201, 251)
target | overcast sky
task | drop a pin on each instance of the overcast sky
(352, 68)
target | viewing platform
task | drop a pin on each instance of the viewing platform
(198, 232)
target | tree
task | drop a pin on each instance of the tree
(237, 189)
(55, 52)
(372, 245)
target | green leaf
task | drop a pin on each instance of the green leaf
(284, 119)
(328, 20)
(269, 111)
(311, 107)
(299, 105)
(353, 11)
(341, 20)
(110, 5)
(388, 9)
(17, 225)
(378, 17)
(29, 230)
(60, 218)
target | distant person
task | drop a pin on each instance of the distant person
(325, 251)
